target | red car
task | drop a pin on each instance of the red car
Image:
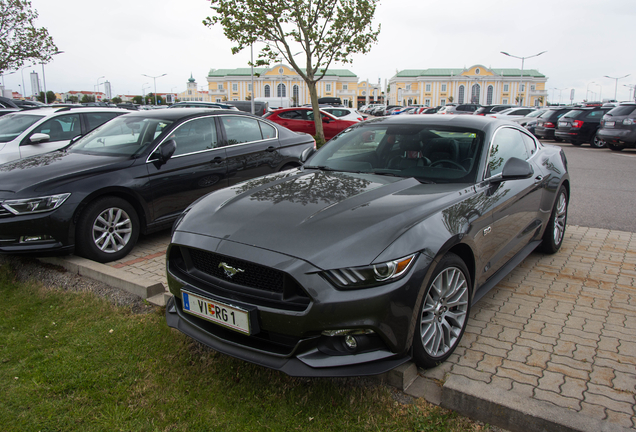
(301, 119)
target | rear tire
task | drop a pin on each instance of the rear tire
(107, 230)
(575, 142)
(558, 139)
(443, 314)
(597, 142)
(555, 230)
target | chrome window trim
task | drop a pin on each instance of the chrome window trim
(148, 160)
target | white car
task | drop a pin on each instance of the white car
(40, 130)
(512, 113)
(345, 113)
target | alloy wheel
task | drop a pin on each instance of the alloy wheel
(444, 312)
(112, 230)
(559, 219)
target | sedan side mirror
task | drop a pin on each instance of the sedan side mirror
(306, 154)
(38, 138)
(165, 151)
(326, 119)
(516, 169)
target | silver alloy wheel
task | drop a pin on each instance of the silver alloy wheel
(559, 218)
(112, 230)
(444, 312)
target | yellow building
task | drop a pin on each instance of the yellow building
(477, 84)
(192, 93)
(279, 82)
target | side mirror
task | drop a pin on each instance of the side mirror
(516, 169)
(326, 119)
(38, 138)
(165, 151)
(306, 154)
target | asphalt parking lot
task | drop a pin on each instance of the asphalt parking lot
(553, 346)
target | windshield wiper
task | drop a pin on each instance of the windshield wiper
(319, 167)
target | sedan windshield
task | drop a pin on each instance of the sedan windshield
(123, 136)
(439, 154)
(12, 125)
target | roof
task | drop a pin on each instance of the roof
(413, 73)
(248, 71)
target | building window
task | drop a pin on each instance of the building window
(234, 99)
(442, 102)
(489, 95)
(443, 87)
(427, 102)
(328, 88)
(281, 71)
(536, 102)
(409, 102)
(523, 87)
(364, 93)
(505, 101)
(428, 87)
(345, 87)
(249, 87)
(477, 71)
(218, 99)
(475, 93)
(267, 91)
(295, 93)
(408, 87)
(189, 92)
(532, 87)
(220, 87)
(281, 90)
(460, 96)
(506, 87)
(234, 87)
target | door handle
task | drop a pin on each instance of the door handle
(271, 149)
(217, 160)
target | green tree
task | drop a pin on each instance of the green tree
(326, 31)
(138, 100)
(20, 40)
(73, 99)
(87, 99)
(50, 96)
(116, 100)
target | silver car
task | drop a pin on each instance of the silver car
(34, 131)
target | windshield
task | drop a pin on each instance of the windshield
(535, 113)
(572, 114)
(438, 154)
(123, 136)
(12, 125)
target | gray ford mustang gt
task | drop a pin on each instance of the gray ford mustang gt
(372, 253)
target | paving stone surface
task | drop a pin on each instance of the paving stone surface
(560, 329)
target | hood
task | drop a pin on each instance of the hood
(48, 170)
(330, 219)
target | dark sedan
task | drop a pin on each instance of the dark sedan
(547, 123)
(580, 126)
(373, 252)
(134, 174)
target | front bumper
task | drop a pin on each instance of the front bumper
(55, 225)
(289, 337)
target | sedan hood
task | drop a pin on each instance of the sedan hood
(44, 172)
(330, 219)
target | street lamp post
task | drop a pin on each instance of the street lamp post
(523, 59)
(631, 87)
(143, 92)
(588, 91)
(154, 78)
(97, 87)
(600, 92)
(616, 83)
(44, 78)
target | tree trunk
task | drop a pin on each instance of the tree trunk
(313, 94)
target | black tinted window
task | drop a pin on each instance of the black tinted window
(195, 136)
(239, 129)
(291, 115)
(506, 144)
(622, 110)
(61, 128)
(98, 119)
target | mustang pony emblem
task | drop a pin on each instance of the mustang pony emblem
(229, 270)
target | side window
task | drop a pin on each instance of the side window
(596, 114)
(195, 136)
(97, 119)
(531, 145)
(239, 129)
(61, 128)
(267, 130)
(291, 115)
(506, 144)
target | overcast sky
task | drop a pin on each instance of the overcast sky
(123, 39)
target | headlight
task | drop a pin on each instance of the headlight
(372, 275)
(35, 205)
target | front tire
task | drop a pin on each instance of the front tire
(555, 230)
(107, 230)
(443, 314)
(597, 142)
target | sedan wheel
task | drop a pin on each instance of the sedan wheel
(555, 231)
(107, 230)
(443, 314)
(614, 147)
(598, 142)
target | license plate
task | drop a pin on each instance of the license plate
(561, 124)
(216, 312)
(609, 123)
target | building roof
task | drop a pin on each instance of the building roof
(413, 73)
(261, 71)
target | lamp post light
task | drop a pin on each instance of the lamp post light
(588, 90)
(631, 87)
(97, 87)
(154, 78)
(616, 82)
(600, 92)
(523, 59)
(143, 92)
(44, 79)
